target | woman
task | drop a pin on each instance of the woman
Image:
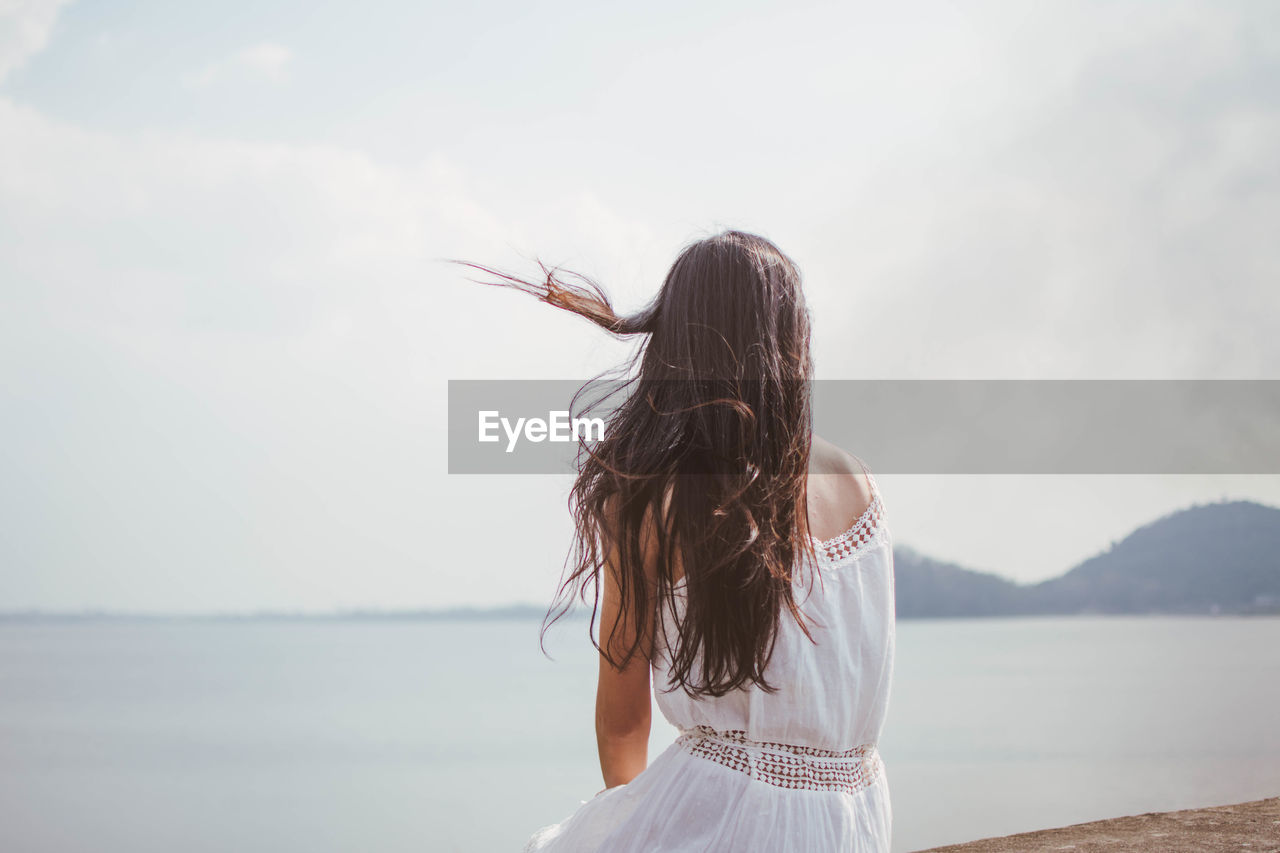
(745, 566)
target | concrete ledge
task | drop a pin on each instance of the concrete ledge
(1253, 827)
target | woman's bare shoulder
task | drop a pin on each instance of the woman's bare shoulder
(827, 458)
(838, 474)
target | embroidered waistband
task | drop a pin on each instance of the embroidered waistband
(787, 765)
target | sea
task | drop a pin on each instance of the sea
(465, 735)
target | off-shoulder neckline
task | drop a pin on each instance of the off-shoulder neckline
(824, 547)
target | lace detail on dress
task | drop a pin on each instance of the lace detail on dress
(787, 765)
(864, 531)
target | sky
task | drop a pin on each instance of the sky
(226, 332)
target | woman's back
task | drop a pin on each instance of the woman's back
(833, 693)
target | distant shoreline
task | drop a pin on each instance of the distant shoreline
(458, 614)
(516, 613)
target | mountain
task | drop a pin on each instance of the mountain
(926, 587)
(1210, 558)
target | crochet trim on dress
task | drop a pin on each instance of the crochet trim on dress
(787, 765)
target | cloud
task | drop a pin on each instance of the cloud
(25, 27)
(1106, 218)
(223, 361)
(265, 60)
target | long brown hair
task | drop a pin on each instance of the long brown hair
(708, 453)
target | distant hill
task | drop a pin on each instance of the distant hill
(926, 587)
(1211, 558)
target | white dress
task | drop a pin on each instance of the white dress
(793, 770)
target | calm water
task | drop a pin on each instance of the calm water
(461, 737)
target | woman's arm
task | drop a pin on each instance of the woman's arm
(623, 704)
